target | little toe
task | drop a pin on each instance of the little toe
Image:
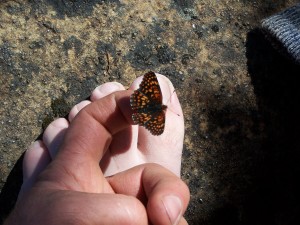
(54, 134)
(106, 89)
(35, 160)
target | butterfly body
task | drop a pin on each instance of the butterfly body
(146, 102)
(152, 108)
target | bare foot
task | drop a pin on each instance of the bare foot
(130, 147)
(64, 184)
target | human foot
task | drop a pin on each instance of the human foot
(130, 147)
(72, 189)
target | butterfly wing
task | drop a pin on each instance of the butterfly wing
(141, 118)
(148, 93)
(146, 102)
(138, 101)
(150, 88)
(156, 124)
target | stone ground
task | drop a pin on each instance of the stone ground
(239, 95)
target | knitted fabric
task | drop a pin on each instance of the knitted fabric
(283, 29)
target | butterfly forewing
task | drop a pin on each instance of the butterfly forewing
(150, 87)
(138, 100)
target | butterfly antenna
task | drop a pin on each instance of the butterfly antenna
(169, 101)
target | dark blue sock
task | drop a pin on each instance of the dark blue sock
(283, 29)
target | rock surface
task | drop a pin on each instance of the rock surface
(239, 95)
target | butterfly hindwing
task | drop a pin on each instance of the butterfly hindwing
(141, 118)
(156, 124)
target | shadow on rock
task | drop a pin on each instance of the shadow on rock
(275, 197)
(10, 191)
(255, 165)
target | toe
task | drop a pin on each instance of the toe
(35, 161)
(54, 134)
(77, 108)
(106, 89)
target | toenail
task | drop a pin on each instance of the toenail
(106, 89)
(110, 87)
(34, 145)
(60, 123)
(173, 207)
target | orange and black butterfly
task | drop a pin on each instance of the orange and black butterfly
(146, 102)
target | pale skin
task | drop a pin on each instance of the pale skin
(137, 182)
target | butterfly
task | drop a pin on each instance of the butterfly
(146, 102)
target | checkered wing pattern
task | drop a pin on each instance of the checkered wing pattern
(156, 124)
(146, 102)
(138, 100)
(141, 118)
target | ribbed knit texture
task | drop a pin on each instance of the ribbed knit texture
(284, 28)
